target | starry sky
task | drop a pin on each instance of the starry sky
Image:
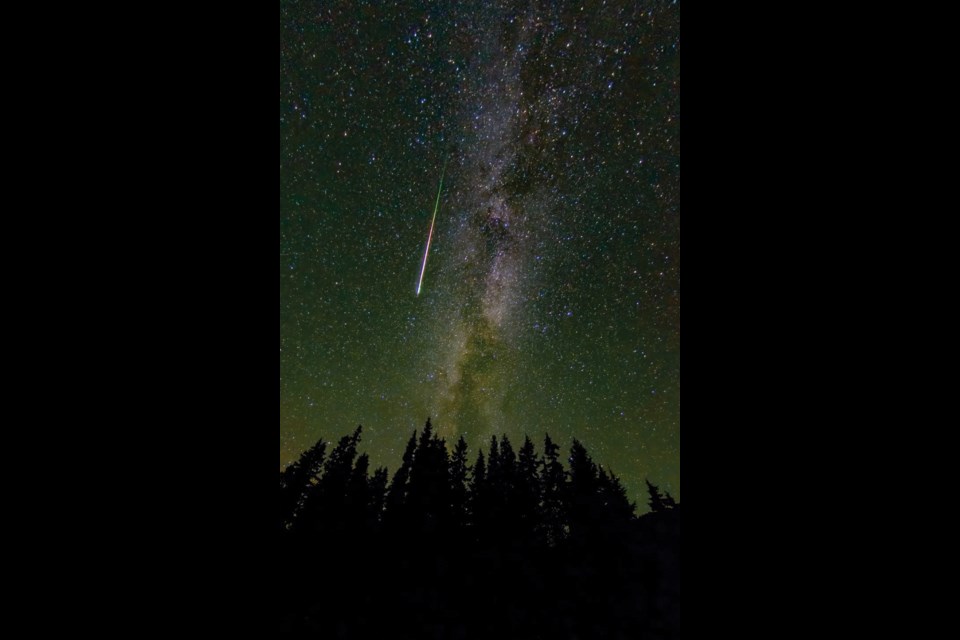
(550, 300)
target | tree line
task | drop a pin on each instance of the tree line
(513, 543)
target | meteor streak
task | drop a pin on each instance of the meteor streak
(430, 237)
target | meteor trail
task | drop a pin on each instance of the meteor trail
(430, 237)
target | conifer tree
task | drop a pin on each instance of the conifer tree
(668, 501)
(614, 497)
(297, 479)
(378, 495)
(478, 494)
(397, 494)
(324, 506)
(358, 495)
(427, 497)
(553, 480)
(528, 488)
(656, 498)
(585, 506)
(458, 484)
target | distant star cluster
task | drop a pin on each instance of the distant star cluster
(550, 300)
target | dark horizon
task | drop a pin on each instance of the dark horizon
(514, 544)
(635, 485)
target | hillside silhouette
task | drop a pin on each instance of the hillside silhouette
(501, 544)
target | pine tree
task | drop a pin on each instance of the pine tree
(614, 496)
(358, 495)
(500, 474)
(586, 508)
(458, 484)
(378, 494)
(478, 494)
(324, 506)
(656, 498)
(427, 434)
(427, 497)
(297, 479)
(669, 502)
(553, 480)
(397, 494)
(583, 471)
(508, 464)
(493, 460)
(528, 488)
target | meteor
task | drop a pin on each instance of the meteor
(430, 237)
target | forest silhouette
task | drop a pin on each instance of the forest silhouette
(512, 545)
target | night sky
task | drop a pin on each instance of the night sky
(551, 296)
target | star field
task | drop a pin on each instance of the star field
(551, 296)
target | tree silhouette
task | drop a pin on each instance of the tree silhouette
(357, 507)
(668, 501)
(428, 494)
(585, 507)
(500, 479)
(324, 508)
(493, 460)
(528, 490)
(554, 479)
(458, 485)
(297, 479)
(656, 498)
(378, 495)
(614, 497)
(479, 500)
(397, 494)
(514, 546)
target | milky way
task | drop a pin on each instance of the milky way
(490, 238)
(551, 297)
